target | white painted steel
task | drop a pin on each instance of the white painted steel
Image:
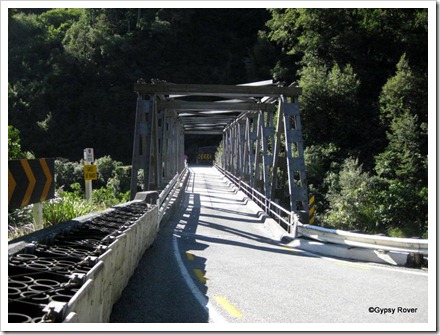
(363, 240)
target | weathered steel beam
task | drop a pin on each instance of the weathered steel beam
(203, 132)
(207, 113)
(180, 105)
(221, 121)
(216, 90)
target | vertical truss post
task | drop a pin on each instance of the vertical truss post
(267, 141)
(295, 156)
(172, 157)
(172, 170)
(279, 129)
(234, 141)
(227, 153)
(257, 183)
(231, 144)
(233, 158)
(251, 137)
(168, 145)
(227, 149)
(142, 143)
(161, 139)
(171, 160)
(181, 145)
(241, 146)
(165, 163)
(154, 152)
(223, 156)
(246, 150)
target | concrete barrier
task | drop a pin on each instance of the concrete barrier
(108, 278)
(110, 272)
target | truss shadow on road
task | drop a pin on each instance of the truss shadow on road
(236, 236)
(157, 292)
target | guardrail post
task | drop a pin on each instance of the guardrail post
(293, 224)
(37, 213)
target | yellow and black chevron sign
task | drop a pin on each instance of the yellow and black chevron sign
(30, 181)
(205, 156)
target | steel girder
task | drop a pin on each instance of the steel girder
(269, 157)
(158, 147)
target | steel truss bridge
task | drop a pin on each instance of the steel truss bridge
(261, 127)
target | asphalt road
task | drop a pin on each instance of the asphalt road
(214, 261)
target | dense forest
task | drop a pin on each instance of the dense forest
(363, 73)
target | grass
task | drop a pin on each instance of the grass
(64, 207)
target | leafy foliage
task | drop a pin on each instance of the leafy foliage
(363, 73)
(112, 188)
(329, 104)
(349, 201)
(14, 147)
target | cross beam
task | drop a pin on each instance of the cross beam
(216, 90)
(181, 105)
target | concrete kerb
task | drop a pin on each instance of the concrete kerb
(322, 248)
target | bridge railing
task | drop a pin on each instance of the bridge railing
(168, 192)
(290, 222)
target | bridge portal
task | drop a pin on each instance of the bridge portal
(259, 122)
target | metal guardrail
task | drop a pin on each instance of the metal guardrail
(167, 193)
(290, 222)
(410, 245)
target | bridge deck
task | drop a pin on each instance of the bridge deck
(214, 261)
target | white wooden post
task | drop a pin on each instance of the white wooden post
(37, 214)
(89, 158)
(89, 190)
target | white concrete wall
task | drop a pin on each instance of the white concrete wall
(108, 278)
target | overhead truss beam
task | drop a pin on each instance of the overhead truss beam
(269, 158)
(216, 90)
(180, 105)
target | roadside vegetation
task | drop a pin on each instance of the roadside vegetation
(111, 188)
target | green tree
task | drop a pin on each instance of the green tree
(403, 165)
(107, 168)
(14, 147)
(351, 206)
(404, 112)
(404, 92)
(329, 105)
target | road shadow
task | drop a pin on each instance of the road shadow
(170, 284)
(158, 291)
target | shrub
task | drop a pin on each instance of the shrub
(106, 169)
(350, 203)
(68, 173)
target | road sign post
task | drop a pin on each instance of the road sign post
(90, 172)
(37, 213)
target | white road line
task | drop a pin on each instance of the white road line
(214, 316)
